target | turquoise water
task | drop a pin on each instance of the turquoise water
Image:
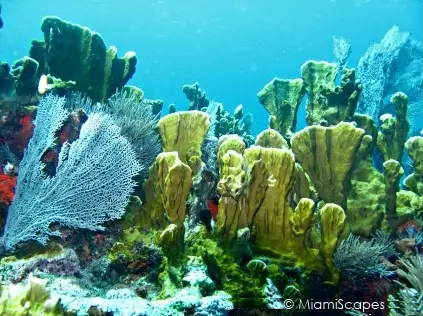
(232, 48)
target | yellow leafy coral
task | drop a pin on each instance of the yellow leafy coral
(30, 299)
(414, 182)
(332, 219)
(270, 138)
(166, 192)
(68, 53)
(329, 104)
(231, 215)
(272, 218)
(255, 186)
(327, 154)
(393, 130)
(184, 133)
(167, 189)
(281, 98)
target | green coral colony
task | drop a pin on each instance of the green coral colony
(221, 219)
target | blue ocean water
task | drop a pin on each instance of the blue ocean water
(232, 48)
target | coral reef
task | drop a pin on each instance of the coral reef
(366, 201)
(56, 261)
(166, 191)
(197, 216)
(394, 64)
(196, 96)
(221, 121)
(87, 158)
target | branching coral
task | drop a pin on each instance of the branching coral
(224, 123)
(221, 121)
(414, 147)
(393, 130)
(196, 96)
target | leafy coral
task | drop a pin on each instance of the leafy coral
(67, 53)
(334, 150)
(282, 98)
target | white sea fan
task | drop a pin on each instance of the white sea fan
(92, 184)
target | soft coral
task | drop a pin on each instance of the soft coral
(16, 132)
(7, 188)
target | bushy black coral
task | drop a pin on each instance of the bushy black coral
(360, 259)
(138, 123)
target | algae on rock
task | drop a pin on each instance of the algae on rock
(246, 289)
